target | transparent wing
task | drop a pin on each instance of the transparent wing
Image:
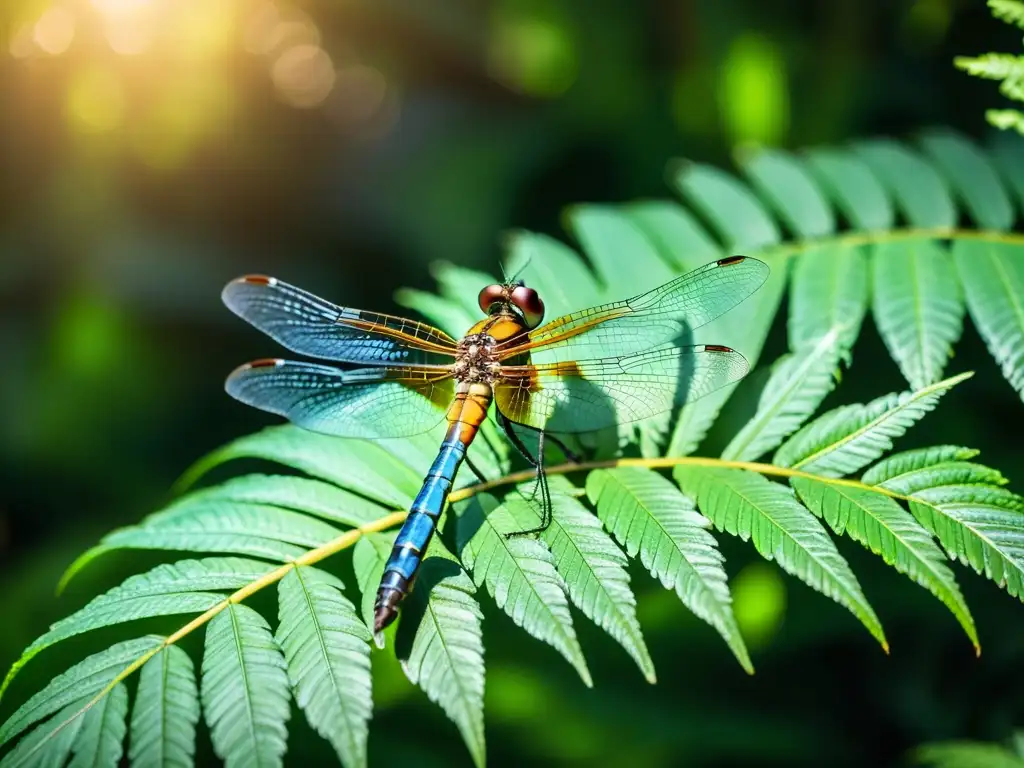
(652, 319)
(369, 402)
(309, 325)
(586, 395)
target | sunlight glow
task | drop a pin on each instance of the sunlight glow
(55, 30)
(22, 43)
(95, 101)
(303, 75)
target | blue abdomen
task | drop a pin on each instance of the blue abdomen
(407, 554)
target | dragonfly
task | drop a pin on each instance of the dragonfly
(606, 365)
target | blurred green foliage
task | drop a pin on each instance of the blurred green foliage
(133, 186)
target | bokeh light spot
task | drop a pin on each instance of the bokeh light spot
(131, 33)
(95, 101)
(759, 602)
(303, 75)
(754, 93)
(533, 55)
(358, 96)
(55, 30)
(22, 43)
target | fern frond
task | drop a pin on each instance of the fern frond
(327, 651)
(967, 754)
(1011, 11)
(792, 192)
(798, 384)
(100, 742)
(650, 517)
(363, 466)
(592, 566)
(49, 744)
(166, 711)
(166, 590)
(918, 307)
(829, 296)
(84, 680)
(520, 575)
(993, 280)
(446, 654)
(768, 515)
(244, 689)
(884, 527)
(846, 439)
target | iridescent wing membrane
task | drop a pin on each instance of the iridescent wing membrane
(403, 394)
(644, 370)
(619, 362)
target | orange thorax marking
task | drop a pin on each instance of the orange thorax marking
(468, 411)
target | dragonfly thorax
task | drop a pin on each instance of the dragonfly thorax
(477, 359)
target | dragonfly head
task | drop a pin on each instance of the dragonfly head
(513, 298)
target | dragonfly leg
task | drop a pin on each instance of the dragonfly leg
(541, 485)
(506, 424)
(475, 470)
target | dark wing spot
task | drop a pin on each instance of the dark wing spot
(258, 280)
(717, 348)
(266, 363)
(730, 260)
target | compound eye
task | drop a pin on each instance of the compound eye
(529, 303)
(490, 295)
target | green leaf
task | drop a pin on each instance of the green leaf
(883, 526)
(967, 754)
(919, 191)
(50, 744)
(82, 681)
(368, 559)
(361, 466)
(748, 505)
(446, 654)
(166, 590)
(591, 564)
(100, 741)
(301, 494)
(847, 438)
(854, 188)
(246, 529)
(910, 471)
(245, 689)
(520, 575)
(166, 711)
(327, 650)
(733, 209)
(798, 384)
(792, 191)
(980, 526)
(829, 295)
(972, 176)
(993, 278)
(918, 306)
(674, 231)
(650, 517)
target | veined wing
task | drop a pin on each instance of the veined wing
(397, 401)
(646, 321)
(585, 395)
(309, 325)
